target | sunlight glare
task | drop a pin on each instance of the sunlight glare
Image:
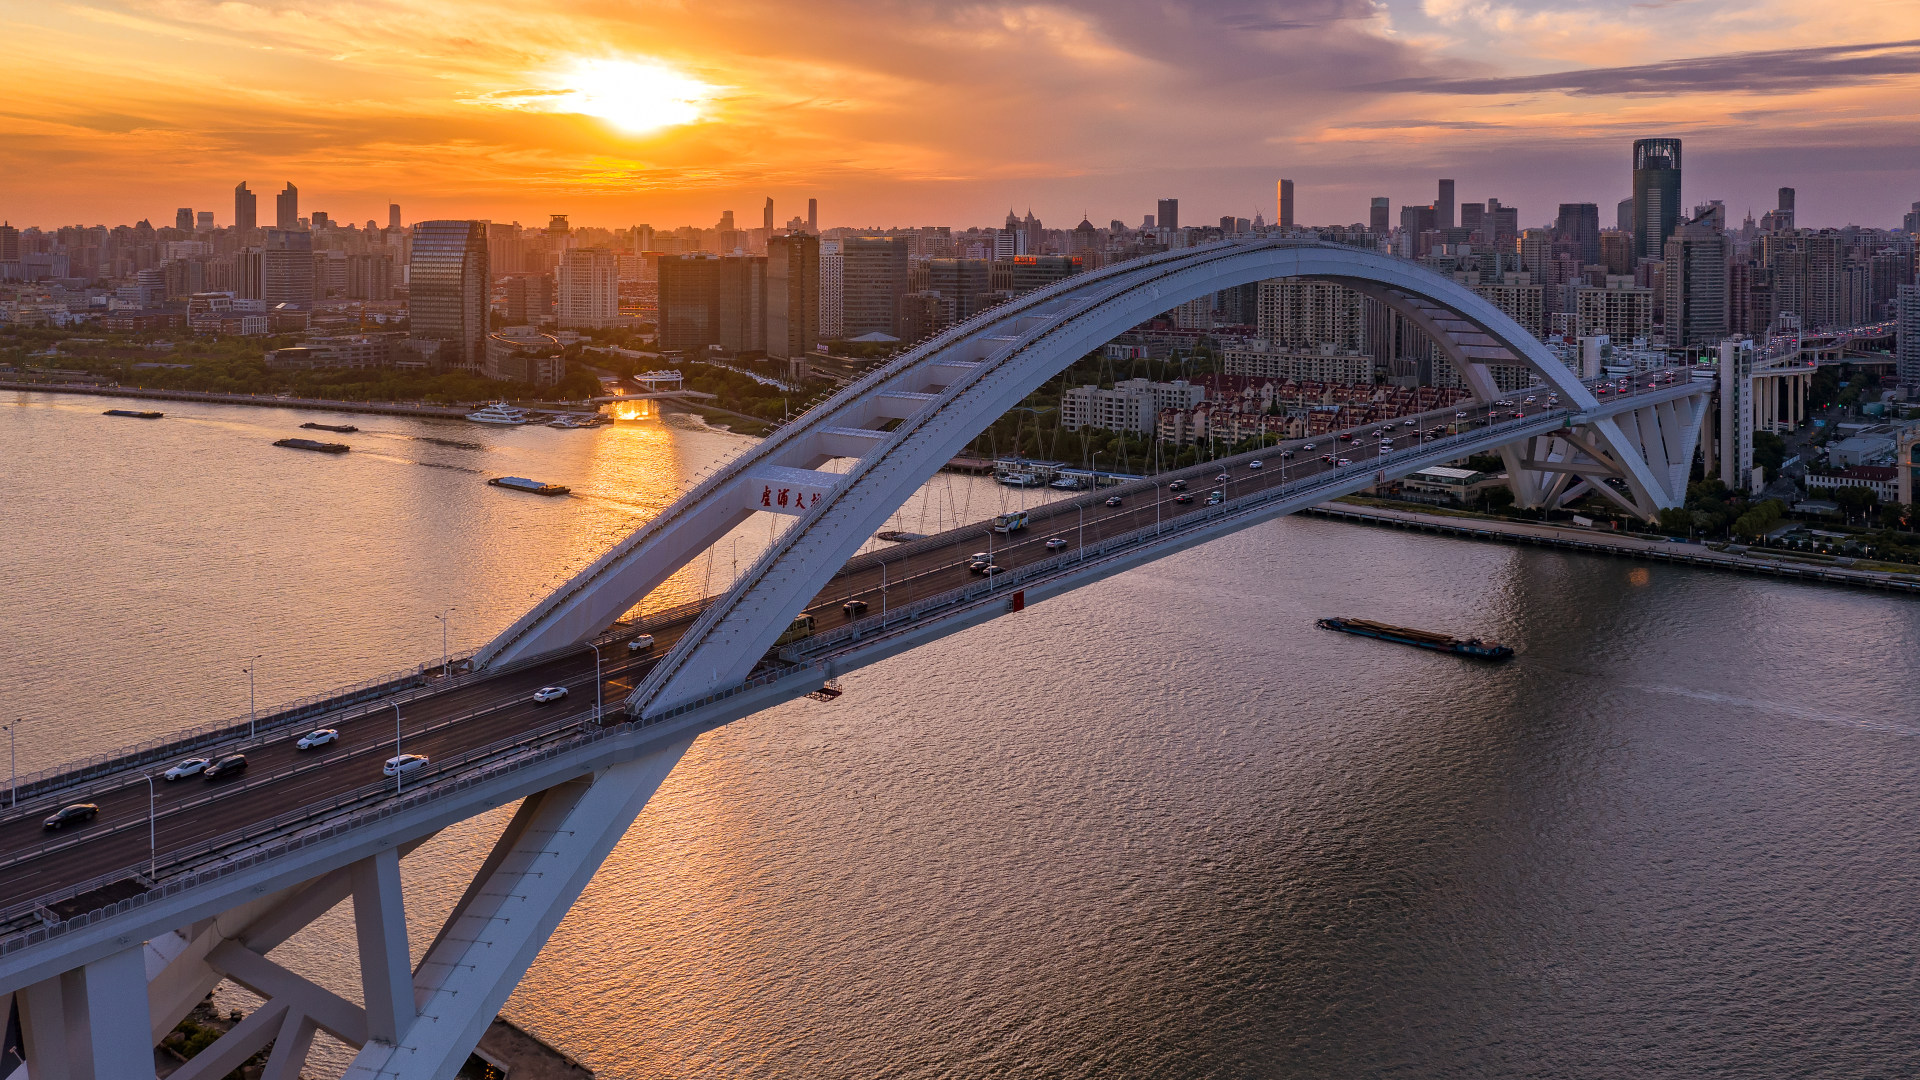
(634, 96)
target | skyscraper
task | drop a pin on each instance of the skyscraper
(1169, 214)
(393, 216)
(246, 208)
(873, 278)
(587, 284)
(1286, 204)
(286, 269)
(793, 295)
(813, 216)
(713, 300)
(1623, 215)
(766, 216)
(203, 221)
(286, 208)
(1695, 311)
(183, 219)
(833, 316)
(1443, 206)
(1785, 213)
(1380, 216)
(1578, 226)
(1907, 339)
(1656, 195)
(449, 289)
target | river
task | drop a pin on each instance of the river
(1159, 827)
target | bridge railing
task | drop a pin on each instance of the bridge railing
(1005, 585)
(442, 779)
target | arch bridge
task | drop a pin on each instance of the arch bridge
(109, 937)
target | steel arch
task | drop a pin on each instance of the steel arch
(942, 393)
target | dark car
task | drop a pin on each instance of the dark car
(231, 765)
(1183, 497)
(1113, 500)
(1177, 485)
(80, 811)
(854, 608)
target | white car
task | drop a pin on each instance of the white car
(405, 763)
(321, 737)
(1256, 464)
(1459, 416)
(1222, 478)
(193, 766)
(1055, 544)
(1308, 446)
(1409, 423)
(641, 643)
(1344, 462)
(549, 693)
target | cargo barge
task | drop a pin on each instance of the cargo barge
(1420, 639)
(521, 483)
(309, 444)
(338, 429)
(136, 413)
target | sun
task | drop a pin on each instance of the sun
(634, 96)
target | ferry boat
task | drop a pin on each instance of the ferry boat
(338, 429)
(1019, 479)
(136, 413)
(498, 412)
(309, 444)
(1420, 639)
(521, 483)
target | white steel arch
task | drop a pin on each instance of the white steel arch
(906, 419)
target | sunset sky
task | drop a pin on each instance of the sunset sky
(899, 113)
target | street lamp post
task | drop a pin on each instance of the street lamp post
(599, 684)
(883, 593)
(13, 775)
(253, 718)
(445, 667)
(399, 774)
(153, 832)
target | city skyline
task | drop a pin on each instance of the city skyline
(516, 112)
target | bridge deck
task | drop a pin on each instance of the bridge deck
(491, 714)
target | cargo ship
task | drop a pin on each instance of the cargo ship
(309, 444)
(134, 413)
(338, 429)
(1420, 639)
(521, 483)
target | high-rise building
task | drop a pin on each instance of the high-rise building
(709, 300)
(1616, 251)
(1621, 310)
(873, 278)
(322, 220)
(1910, 223)
(1656, 195)
(286, 208)
(393, 216)
(766, 216)
(1295, 313)
(183, 219)
(1443, 206)
(286, 269)
(1696, 310)
(1906, 339)
(246, 208)
(1286, 204)
(965, 282)
(1168, 215)
(529, 298)
(587, 289)
(1578, 227)
(813, 216)
(1784, 213)
(833, 265)
(370, 276)
(1379, 216)
(1623, 216)
(793, 295)
(203, 221)
(449, 289)
(1501, 224)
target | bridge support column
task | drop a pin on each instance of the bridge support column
(536, 871)
(90, 1023)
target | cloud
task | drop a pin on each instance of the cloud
(1771, 72)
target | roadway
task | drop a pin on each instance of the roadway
(476, 712)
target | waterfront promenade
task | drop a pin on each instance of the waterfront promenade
(1733, 557)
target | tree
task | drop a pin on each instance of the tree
(1676, 520)
(1769, 450)
(1855, 499)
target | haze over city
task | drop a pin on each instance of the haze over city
(913, 113)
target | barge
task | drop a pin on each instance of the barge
(136, 413)
(521, 483)
(338, 429)
(1420, 639)
(310, 444)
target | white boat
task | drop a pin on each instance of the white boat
(1018, 479)
(498, 412)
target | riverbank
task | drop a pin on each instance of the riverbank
(269, 401)
(1570, 538)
